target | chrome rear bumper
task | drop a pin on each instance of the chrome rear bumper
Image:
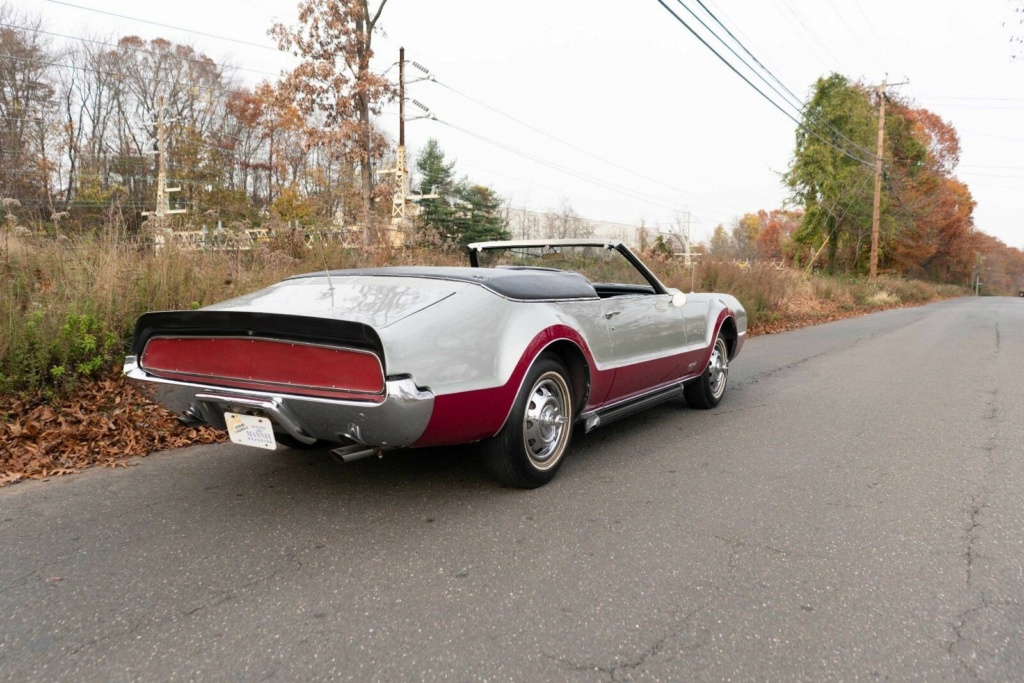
(397, 421)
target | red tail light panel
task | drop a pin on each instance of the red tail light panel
(267, 365)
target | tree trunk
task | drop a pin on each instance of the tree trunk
(364, 29)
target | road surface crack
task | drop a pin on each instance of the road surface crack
(130, 631)
(961, 639)
(229, 594)
(974, 509)
(624, 670)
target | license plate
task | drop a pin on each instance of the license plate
(249, 430)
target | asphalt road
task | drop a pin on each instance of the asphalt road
(854, 510)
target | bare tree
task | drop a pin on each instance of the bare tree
(567, 223)
(26, 105)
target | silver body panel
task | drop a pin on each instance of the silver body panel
(447, 336)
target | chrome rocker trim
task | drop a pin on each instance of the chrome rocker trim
(592, 419)
(396, 422)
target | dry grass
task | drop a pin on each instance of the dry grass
(67, 307)
(783, 298)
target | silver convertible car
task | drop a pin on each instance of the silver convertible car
(534, 339)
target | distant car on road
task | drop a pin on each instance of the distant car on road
(534, 338)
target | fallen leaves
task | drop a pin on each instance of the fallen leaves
(804, 313)
(104, 422)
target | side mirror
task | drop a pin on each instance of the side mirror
(678, 298)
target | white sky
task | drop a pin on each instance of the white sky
(625, 82)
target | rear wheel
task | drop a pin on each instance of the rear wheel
(706, 391)
(529, 449)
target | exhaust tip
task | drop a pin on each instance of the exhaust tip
(346, 454)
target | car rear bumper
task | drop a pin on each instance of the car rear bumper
(399, 420)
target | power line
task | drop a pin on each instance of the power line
(809, 32)
(570, 145)
(162, 25)
(856, 3)
(532, 183)
(562, 169)
(799, 105)
(760, 92)
(118, 46)
(793, 97)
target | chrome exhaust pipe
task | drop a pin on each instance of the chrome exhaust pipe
(356, 451)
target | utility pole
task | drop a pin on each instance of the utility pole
(401, 193)
(876, 216)
(401, 186)
(163, 204)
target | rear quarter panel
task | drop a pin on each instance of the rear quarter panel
(476, 339)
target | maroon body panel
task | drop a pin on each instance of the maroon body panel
(470, 416)
(474, 415)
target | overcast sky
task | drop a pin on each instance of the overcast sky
(642, 122)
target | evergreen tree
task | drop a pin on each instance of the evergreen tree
(480, 219)
(437, 176)
(464, 212)
(825, 178)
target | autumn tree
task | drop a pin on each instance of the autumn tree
(744, 236)
(333, 40)
(721, 243)
(776, 227)
(929, 225)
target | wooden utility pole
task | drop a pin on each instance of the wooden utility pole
(401, 194)
(876, 217)
(401, 97)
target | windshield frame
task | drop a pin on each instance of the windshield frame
(474, 250)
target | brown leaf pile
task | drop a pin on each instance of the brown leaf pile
(101, 423)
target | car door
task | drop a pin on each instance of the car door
(648, 342)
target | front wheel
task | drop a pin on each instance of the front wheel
(528, 450)
(707, 390)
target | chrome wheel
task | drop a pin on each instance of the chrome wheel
(531, 446)
(718, 368)
(546, 421)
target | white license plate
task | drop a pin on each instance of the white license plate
(249, 430)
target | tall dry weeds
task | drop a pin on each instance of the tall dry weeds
(68, 306)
